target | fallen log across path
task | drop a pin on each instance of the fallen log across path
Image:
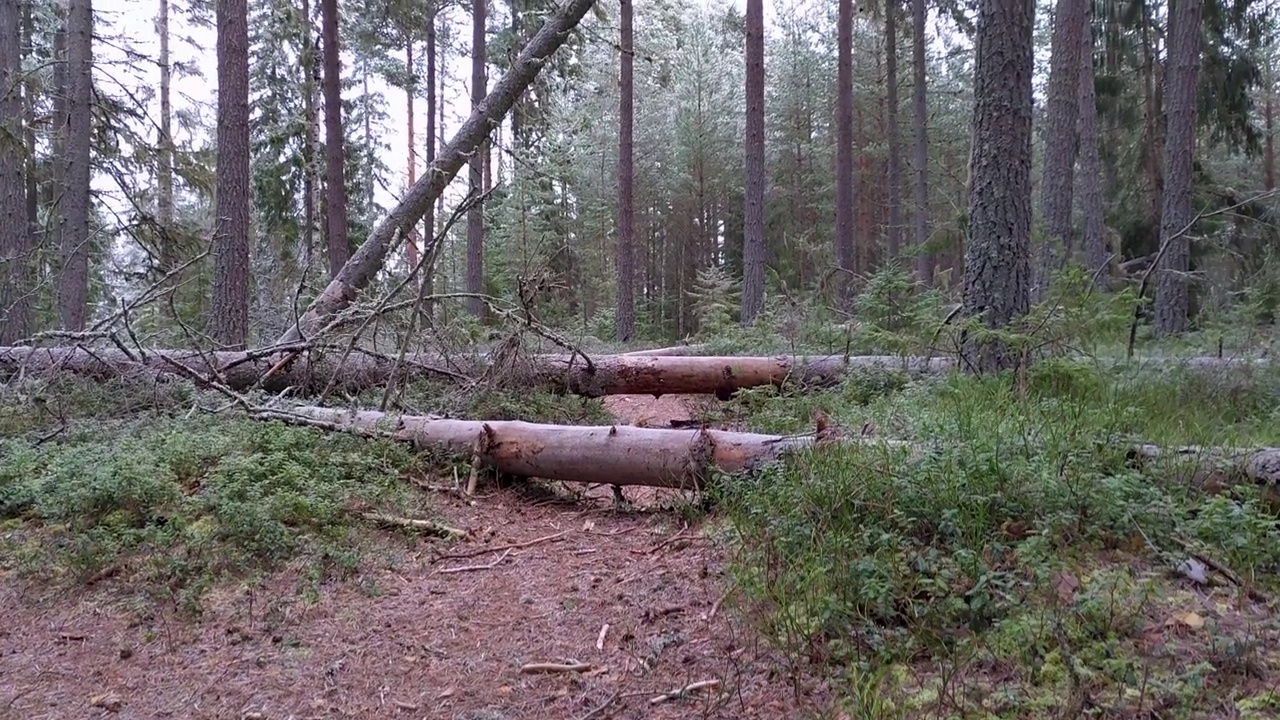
(588, 376)
(608, 454)
(591, 376)
(627, 455)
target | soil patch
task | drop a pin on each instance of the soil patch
(420, 638)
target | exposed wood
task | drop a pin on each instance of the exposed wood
(602, 375)
(1261, 465)
(672, 351)
(614, 455)
(683, 459)
(430, 527)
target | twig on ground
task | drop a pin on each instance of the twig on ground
(678, 536)
(684, 691)
(715, 607)
(427, 526)
(602, 707)
(533, 668)
(604, 630)
(469, 568)
(497, 548)
(1224, 571)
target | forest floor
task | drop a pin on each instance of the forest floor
(636, 596)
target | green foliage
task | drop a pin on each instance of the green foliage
(183, 504)
(895, 315)
(715, 298)
(995, 536)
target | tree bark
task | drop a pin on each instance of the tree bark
(475, 216)
(997, 259)
(614, 455)
(35, 228)
(164, 147)
(368, 259)
(892, 128)
(230, 247)
(310, 135)
(73, 285)
(1180, 145)
(920, 143)
(668, 458)
(1061, 117)
(753, 249)
(1089, 179)
(15, 260)
(1150, 115)
(1269, 128)
(671, 373)
(335, 142)
(845, 201)
(411, 242)
(626, 315)
(429, 217)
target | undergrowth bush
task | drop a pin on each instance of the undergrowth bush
(986, 539)
(184, 503)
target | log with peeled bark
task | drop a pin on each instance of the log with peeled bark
(599, 376)
(611, 454)
(627, 455)
(672, 351)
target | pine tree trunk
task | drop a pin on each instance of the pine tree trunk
(1180, 144)
(36, 230)
(73, 296)
(310, 136)
(893, 130)
(334, 141)
(1269, 128)
(846, 204)
(1153, 149)
(164, 146)
(626, 312)
(230, 247)
(475, 216)
(920, 142)
(753, 250)
(15, 316)
(997, 262)
(1061, 116)
(411, 242)
(1089, 179)
(429, 219)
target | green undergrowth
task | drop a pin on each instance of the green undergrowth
(1014, 561)
(170, 507)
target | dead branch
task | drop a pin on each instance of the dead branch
(426, 526)
(499, 548)
(684, 691)
(536, 668)
(471, 568)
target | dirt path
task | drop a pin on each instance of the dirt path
(420, 641)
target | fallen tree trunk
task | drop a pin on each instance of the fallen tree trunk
(591, 377)
(721, 376)
(369, 257)
(235, 370)
(627, 455)
(615, 455)
(672, 351)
